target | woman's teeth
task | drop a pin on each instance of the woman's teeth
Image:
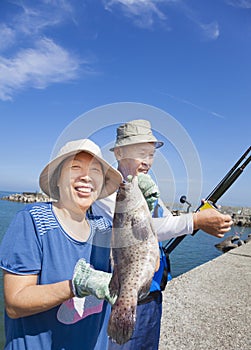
(84, 189)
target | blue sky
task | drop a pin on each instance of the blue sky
(184, 65)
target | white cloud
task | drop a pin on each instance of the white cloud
(245, 4)
(146, 13)
(37, 18)
(26, 60)
(36, 67)
(211, 30)
(143, 12)
(7, 36)
(194, 105)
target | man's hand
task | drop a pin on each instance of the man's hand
(212, 222)
(88, 281)
(149, 189)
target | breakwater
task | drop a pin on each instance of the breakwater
(241, 215)
(27, 197)
(242, 219)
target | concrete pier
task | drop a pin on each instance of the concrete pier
(209, 307)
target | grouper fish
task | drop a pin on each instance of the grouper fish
(135, 258)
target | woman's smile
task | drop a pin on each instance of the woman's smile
(84, 189)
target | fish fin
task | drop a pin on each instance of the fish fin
(122, 322)
(157, 265)
(145, 290)
(114, 283)
(143, 294)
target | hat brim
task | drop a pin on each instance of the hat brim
(130, 141)
(112, 177)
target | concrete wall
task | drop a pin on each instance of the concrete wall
(208, 308)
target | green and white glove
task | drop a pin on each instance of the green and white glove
(88, 281)
(149, 189)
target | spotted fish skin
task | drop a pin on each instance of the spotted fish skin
(135, 257)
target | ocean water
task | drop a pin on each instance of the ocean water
(7, 212)
(192, 251)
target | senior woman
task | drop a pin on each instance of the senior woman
(42, 246)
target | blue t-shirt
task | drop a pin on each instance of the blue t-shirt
(35, 243)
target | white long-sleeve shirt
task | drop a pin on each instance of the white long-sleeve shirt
(166, 227)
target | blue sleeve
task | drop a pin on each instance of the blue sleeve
(20, 250)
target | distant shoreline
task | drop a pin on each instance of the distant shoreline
(26, 197)
(240, 215)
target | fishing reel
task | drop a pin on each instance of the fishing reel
(183, 199)
(206, 204)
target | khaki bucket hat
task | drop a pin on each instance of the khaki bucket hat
(112, 179)
(135, 131)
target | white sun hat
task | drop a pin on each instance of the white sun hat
(112, 176)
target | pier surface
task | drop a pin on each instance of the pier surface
(209, 307)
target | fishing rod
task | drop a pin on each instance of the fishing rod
(217, 192)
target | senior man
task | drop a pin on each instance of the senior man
(134, 150)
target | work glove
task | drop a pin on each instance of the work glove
(88, 281)
(149, 189)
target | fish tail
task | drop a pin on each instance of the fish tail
(122, 322)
